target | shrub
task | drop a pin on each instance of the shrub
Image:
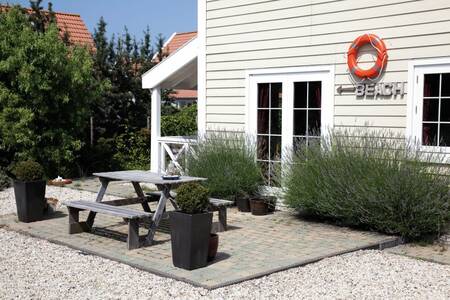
(193, 198)
(133, 150)
(372, 181)
(182, 123)
(28, 171)
(228, 161)
(5, 181)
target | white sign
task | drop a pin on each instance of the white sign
(385, 89)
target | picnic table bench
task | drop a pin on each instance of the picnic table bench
(219, 205)
(131, 216)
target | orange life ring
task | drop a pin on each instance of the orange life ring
(382, 56)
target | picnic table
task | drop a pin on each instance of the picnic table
(136, 178)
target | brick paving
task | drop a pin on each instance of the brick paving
(252, 247)
(439, 253)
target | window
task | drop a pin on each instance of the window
(286, 107)
(307, 112)
(269, 127)
(436, 110)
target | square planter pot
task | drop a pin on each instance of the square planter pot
(30, 200)
(243, 204)
(190, 236)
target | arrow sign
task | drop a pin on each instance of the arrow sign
(341, 89)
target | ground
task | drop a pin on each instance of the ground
(34, 268)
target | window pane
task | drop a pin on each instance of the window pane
(275, 147)
(431, 85)
(263, 121)
(429, 134)
(430, 110)
(263, 95)
(265, 170)
(300, 122)
(445, 110)
(315, 94)
(276, 95)
(263, 147)
(314, 122)
(299, 143)
(446, 85)
(300, 96)
(275, 121)
(444, 139)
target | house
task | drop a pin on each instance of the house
(72, 24)
(289, 70)
(180, 97)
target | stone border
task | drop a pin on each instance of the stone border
(387, 243)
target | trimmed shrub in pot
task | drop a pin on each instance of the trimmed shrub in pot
(29, 190)
(191, 227)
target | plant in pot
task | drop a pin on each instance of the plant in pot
(191, 227)
(262, 205)
(242, 201)
(29, 190)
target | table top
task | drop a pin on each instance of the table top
(146, 177)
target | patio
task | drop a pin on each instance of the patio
(253, 246)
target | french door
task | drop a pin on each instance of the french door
(287, 111)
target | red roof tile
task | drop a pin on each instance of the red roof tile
(184, 94)
(72, 23)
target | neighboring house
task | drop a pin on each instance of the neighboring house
(281, 70)
(70, 23)
(179, 97)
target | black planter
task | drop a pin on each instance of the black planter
(30, 200)
(190, 239)
(243, 204)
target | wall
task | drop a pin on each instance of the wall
(254, 34)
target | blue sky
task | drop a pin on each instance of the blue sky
(162, 16)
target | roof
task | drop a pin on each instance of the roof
(175, 42)
(72, 23)
(184, 94)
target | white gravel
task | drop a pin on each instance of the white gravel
(33, 268)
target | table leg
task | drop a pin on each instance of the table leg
(100, 195)
(140, 193)
(165, 194)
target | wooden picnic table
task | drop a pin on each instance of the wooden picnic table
(136, 178)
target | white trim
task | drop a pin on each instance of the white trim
(176, 61)
(286, 75)
(155, 130)
(201, 69)
(416, 71)
(155, 56)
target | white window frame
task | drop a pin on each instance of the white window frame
(416, 71)
(287, 76)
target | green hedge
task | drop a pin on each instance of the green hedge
(182, 123)
(228, 161)
(371, 182)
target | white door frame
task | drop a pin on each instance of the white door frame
(416, 71)
(287, 76)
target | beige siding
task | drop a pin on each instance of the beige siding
(256, 34)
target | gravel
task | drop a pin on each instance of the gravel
(33, 268)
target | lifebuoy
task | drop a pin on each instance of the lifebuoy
(382, 56)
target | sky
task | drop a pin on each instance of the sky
(162, 16)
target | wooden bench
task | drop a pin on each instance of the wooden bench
(131, 216)
(219, 205)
